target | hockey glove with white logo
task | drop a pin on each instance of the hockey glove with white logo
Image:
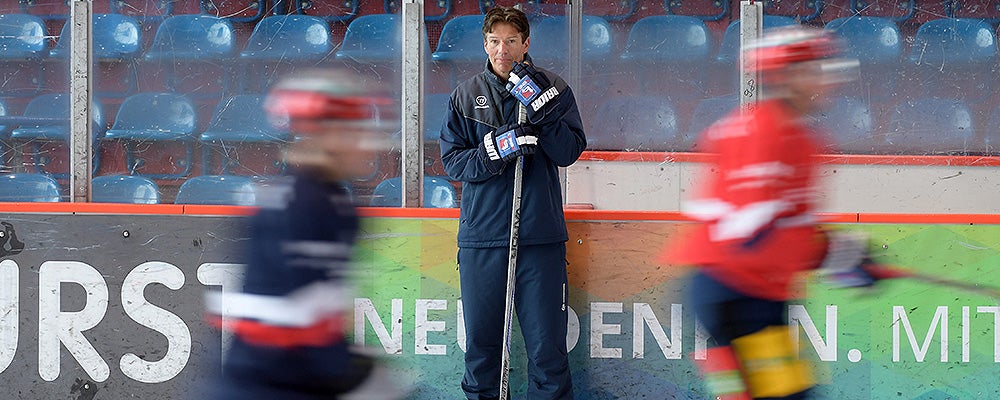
(845, 260)
(533, 89)
(507, 143)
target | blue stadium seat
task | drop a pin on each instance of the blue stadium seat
(217, 190)
(898, 11)
(668, 39)
(242, 11)
(146, 118)
(117, 44)
(374, 38)
(460, 47)
(5, 146)
(849, 122)
(115, 37)
(635, 123)
(334, 11)
(877, 43)
(730, 46)
(22, 36)
(438, 193)
(288, 38)
(461, 40)
(195, 52)
(953, 58)
(550, 40)
(238, 119)
(22, 46)
(124, 189)
(931, 125)
(705, 114)
(51, 106)
(280, 43)
(29, 188)
(668, 55)
(991, 134)
(435, 112)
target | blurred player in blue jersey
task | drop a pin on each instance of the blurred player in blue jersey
(288, 322)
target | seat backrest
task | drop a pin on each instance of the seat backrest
(707, 112)
(193, 37)
(289, 37)
(372, 38)
(870, 40)
(130, 189)
(115, 37)
(22, 36)
(461, 40)
(949, 42)
(635, 123)
(55, 105)
(29, 188)
(550, 38)
(217, 190)
(849, 123)
(729, 49)
(668, 38)
(435, 112)
(438, 193)
(3, 113)
(931, 125)
(242, 118)
(154, 116)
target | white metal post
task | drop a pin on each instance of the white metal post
(81, 97)
(412, 179)
(751, 27)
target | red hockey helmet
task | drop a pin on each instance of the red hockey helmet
(784, 46)
(324, 95)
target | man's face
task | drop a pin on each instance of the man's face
(504, 47)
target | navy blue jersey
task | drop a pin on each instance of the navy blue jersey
(479, 106)
(288, 321)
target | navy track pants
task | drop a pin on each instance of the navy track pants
(540, 297)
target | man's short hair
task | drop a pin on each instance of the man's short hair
(509, 15)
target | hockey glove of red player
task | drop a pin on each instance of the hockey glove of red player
(533, 89)
(845, 260)
(507, 143)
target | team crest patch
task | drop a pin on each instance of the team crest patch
(506, 143)
(526, 90)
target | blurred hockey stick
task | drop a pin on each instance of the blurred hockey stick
(881, 271)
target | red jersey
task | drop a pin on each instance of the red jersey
(755, 201)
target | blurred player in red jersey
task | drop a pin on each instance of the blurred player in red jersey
(288, 323)
(756, 229)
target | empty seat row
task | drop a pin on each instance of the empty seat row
(922, 126)
(204, 189)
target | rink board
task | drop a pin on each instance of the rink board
(109, 307)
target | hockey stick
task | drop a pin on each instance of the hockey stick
(881, 271)
(515, 223)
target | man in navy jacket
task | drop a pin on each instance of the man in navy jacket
(480, 142)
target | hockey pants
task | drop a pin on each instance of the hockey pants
(729, 316)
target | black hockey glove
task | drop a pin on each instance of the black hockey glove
(533, 89)
(507, 143)
(845, 260)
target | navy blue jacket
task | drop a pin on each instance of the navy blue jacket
(479, 106)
